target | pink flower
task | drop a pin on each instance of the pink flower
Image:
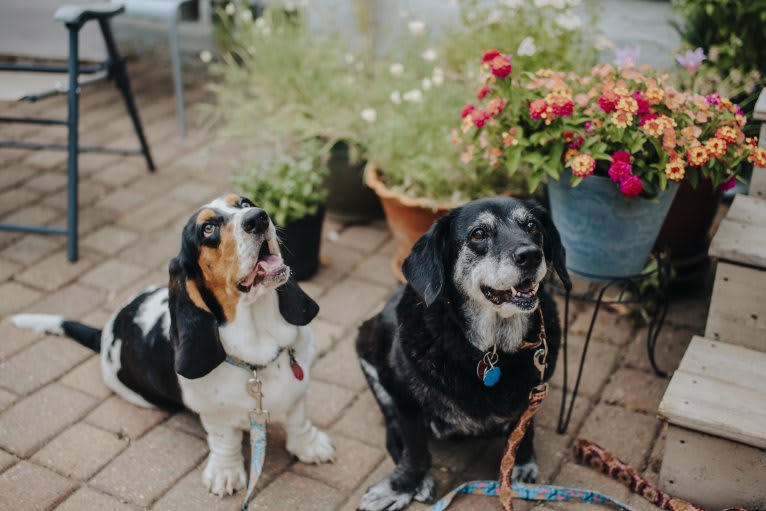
(482, 92)
(621, 156)
(479, 117)
(501, 66)
(619, 171)
(631, 186)
(691, 60)
(646, 118)
(713, 98)
(727, 185)
(608, 101)
(489, 55)
(466, 110)
(537, 108)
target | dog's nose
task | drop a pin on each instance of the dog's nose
(255, 221)
(527, 256)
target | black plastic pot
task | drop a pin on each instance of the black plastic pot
(299, 241)
(349, 200)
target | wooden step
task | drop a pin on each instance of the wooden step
(741, 237)
(738, 306)
(719, 389)
(715, 406)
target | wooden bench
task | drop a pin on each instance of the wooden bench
(715, 406)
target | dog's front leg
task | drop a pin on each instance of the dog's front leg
(304, 440)
(525, 469)
(225, 469)
(410, 479)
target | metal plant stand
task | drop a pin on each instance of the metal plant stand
(631, 292)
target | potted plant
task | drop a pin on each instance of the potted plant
(292, 192)
(297, 83)
(615, 141)
(419, 86)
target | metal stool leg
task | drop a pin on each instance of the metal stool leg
(73, 148)
(175, 59)
(117, 70)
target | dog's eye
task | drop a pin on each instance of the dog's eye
(531, 227)
(208, 229)
(245, 204)
(478, 234)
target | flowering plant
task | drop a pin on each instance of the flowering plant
(622, 122)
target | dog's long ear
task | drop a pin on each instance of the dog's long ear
(424, 266)
(552, 247)
(194, 329)
(295, 305)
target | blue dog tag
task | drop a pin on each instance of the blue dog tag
(492, 376)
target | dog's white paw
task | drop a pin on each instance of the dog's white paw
(425, 492)
(526, 472)
(381, 496)
(223, 480)
(312, 447)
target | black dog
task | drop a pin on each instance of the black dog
(474, 286)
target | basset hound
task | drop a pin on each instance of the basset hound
(230, 304)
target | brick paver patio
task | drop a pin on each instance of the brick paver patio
(67, 443)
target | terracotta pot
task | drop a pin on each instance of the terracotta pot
(407, 218)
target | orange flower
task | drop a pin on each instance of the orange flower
(495, 106)
(715, 147)
(654, 127)
(697, 156)
(675, 169)
(467, 156)
(669, 139)
(727, 133)
(691, 133)
(654, 95)
(628, 104)
(622, 119)
(571, 153)
(509, 139)
(758, 157)
(583, 165)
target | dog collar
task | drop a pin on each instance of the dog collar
(488, 371)
(254, 368)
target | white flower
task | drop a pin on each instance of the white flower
(396, 69)
(438, 71)
(290, 6)
(260, 23)
(396, 98)
(251, 50)
(558, 4)
(369, 114)
(437, 80)
(494, 17)
(527, 47)
(404, 13)
(416, 27)
(574, 3)
(413, 96)
(512, 4)
(541, 3)
(429, 55)
(568, 21)
(205, 56)
(246, 16)
(426, 83)
(602, 43)
(349, 58)
(230, 9)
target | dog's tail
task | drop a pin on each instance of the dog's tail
(57, 325)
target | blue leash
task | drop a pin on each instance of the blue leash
(529, 492)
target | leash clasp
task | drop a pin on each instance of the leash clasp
(258, 415)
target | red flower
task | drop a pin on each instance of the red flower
(537, 108)
(631, 186)
(643, 105)
(619, 170)
(646, 118)
(727, 185)
(489, 55)
(623, 156)
(608, 101)
(466, 110)
(501, 66)
(482, 92)
(479, 117)
(562, 106)
(495, 106)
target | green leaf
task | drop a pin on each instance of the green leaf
(534, 181)
(576, 180)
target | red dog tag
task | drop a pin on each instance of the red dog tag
(297, 369)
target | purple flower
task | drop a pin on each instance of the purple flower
(627, 57)
(692, 59)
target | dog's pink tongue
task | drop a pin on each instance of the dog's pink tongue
(269, 263)
(524, 287)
